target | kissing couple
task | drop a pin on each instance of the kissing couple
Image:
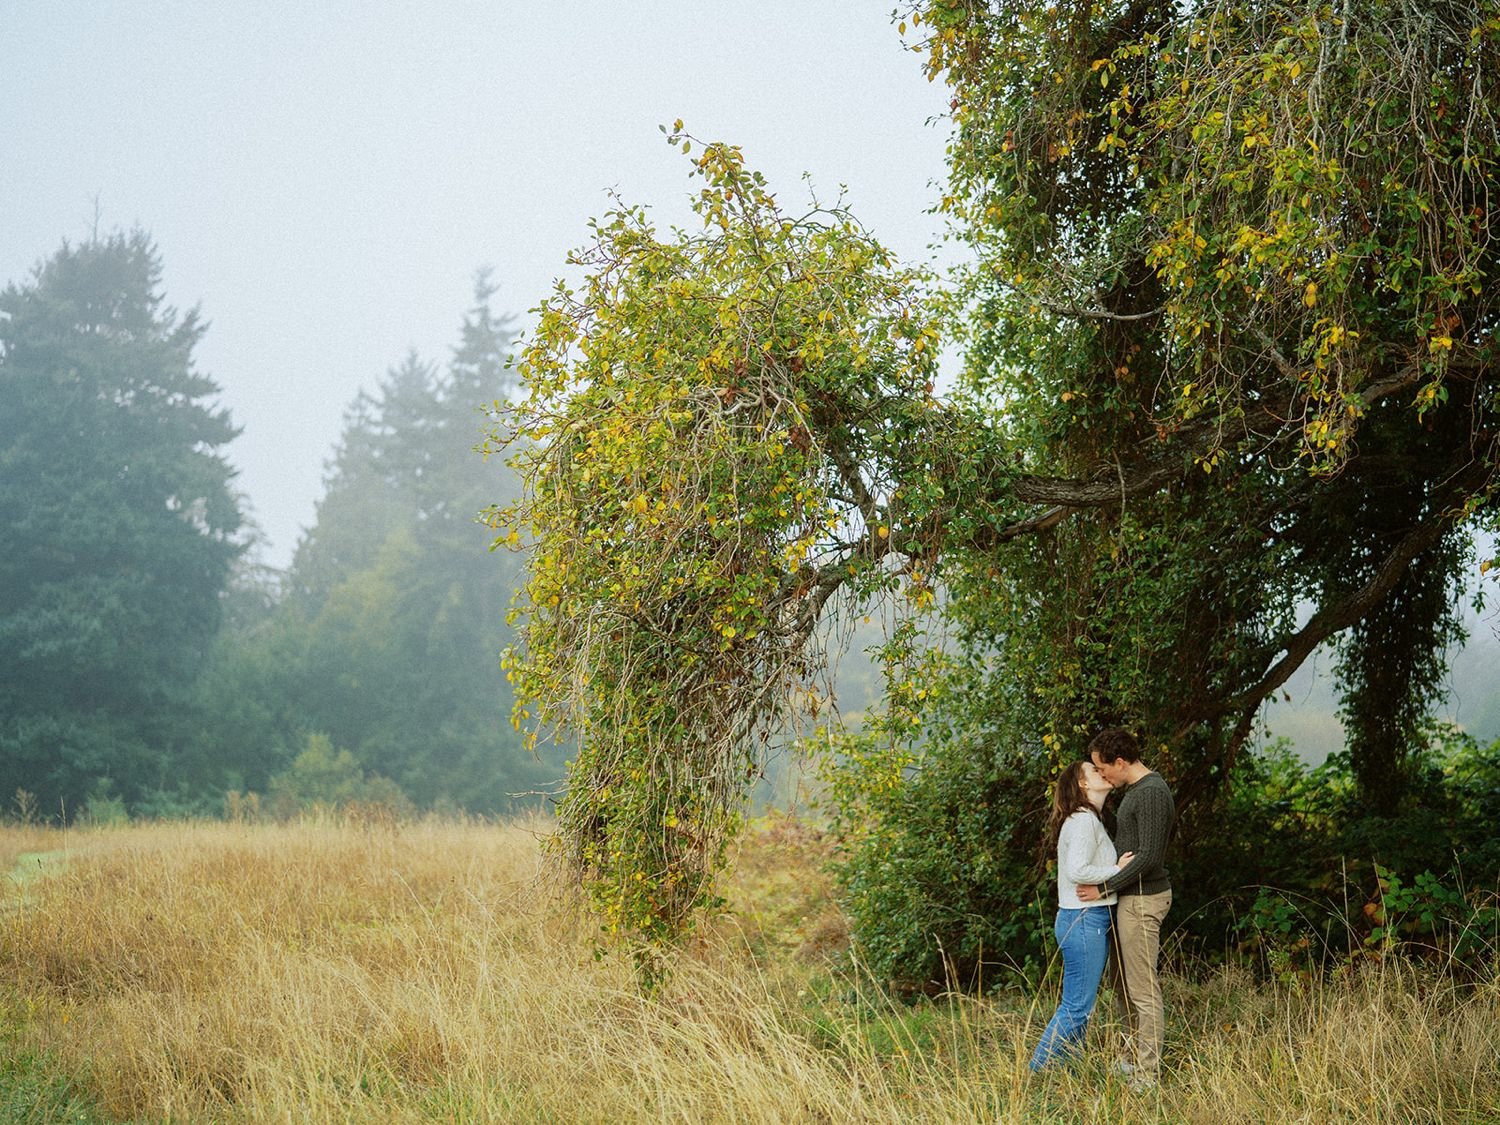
(1112, 896)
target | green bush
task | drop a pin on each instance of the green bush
(104, 806)
(940, 872)
(939, 820)
(324, 776)
(1302, 875)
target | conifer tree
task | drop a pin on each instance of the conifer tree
(119, 517)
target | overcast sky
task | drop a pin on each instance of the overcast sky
(325, 178)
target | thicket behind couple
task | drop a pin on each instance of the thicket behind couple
(1111, 901)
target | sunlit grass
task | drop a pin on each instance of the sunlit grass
(328, 972)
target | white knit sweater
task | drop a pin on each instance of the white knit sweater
(1085, 854)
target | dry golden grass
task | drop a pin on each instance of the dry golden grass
(322, 972)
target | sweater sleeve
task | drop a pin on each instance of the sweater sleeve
(1075, 847)
(1154, 829)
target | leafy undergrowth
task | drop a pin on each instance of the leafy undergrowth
(427, 972)
(36, 1087)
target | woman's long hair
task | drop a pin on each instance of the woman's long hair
(1067, 798)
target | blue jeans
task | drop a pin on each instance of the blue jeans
(1083, 938)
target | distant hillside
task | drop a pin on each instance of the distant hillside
(1310, 719)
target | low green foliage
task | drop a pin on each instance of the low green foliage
(941, 874)
(324, 776)
(1303, 876)
(35, 1087)
(938, 866)
(103, 806)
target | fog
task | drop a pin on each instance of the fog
(325, 179)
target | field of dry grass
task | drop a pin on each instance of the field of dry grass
(424, 972)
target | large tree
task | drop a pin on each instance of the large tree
(1228, 393)
(119, 517)
(1255, 238)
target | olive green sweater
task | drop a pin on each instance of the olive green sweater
(1143, 825)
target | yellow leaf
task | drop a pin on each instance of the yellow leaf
(1310, 294)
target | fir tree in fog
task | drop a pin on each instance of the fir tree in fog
(406, 458)
(119, 519)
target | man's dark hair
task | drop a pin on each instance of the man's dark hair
(1114, 744)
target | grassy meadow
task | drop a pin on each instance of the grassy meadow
(367, 972)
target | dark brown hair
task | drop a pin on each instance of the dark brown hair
(1114, 744)
(1067, 798)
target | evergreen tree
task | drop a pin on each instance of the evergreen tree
(120, 522)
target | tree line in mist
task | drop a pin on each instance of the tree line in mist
(150, 664)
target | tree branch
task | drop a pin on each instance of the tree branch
(1073, 312)
(1154, 470)
(1333, 619)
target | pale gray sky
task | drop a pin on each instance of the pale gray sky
(325, 177)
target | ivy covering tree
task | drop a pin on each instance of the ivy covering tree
(120, 524)
(1229, 354)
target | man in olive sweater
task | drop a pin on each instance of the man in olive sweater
(1143, 826)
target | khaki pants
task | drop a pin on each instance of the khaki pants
(1138, 920)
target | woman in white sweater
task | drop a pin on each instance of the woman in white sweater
(1085, 854)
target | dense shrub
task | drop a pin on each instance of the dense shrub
(326, 777)
(1301, 868)
(938, 811)
(941, 876)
